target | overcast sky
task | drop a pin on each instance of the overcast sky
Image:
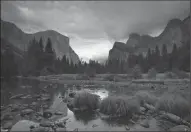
(93, 26)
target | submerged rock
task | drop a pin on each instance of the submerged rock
(6, 116)
(47, 124)
(23, 125)
(18, 96)
(180, 128)
(7, 125)
(26, 112)
(94, 125)
(41, 129)
(47, 113)
(58, 113)
(60, 129)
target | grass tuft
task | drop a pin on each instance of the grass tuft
(174, 103)
(86, 100)
(146, 97)
(119, 106)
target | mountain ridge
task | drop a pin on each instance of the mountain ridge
(20, 39)
(175, 32)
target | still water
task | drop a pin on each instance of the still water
(83, 120)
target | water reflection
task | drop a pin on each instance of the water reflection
(33, 87)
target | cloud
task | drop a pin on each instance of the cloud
(92, 25)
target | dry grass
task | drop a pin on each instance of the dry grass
(119, 106)
(174, 103)
(146, 97)
(84, 99)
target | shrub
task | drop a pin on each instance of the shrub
(146, 97)
(84, 99)
(152, 73)
(136, 72)
(174, 103)
(119, 106)
(82, 77)
(170, 75)
(109, 77)
(113, 78)
(180, 74)
(91, 72)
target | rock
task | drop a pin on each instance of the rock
(26, 97)
(145, 123)
(15, 108)
(4, 130)
(180, 128)
(142, 109)
(7, 125)
(26, 112)
(7, 116)
(58, 113)
(60, 129)
(26, 105)
(45, 106)
(23, 125)
(37, 96)
(41, 129)
(46, 124)
(45, 98)
(18, 96)
(34, 103)
(39, 114)
(94, 125)
(61, 124)
(47, 113)
(76, 129)
(127, 128)
(3, 108)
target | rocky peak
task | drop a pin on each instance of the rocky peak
(175, 32)
(11, 33)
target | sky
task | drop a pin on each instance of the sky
(94, 26)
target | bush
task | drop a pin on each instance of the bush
(109, 77)
(171, 75)
(180, 74)
(91, 72)
(174, 103)
(152, 73)
(146, 97)
(86, 100)
(119, 106)
(113, 78)
(82, 77)
(136, 72)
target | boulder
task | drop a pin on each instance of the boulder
(46, 123)
(18, 96)
(180, 128)
(7, 125)
(145, 123)
(41, 129)
(23, 125)
(6, 116)
(47, 113)
(26, 112)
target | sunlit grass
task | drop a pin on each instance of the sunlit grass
(174, 103)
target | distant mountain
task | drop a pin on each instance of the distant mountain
(15, 36)
(176, 32)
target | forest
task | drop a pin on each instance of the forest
(41, 60)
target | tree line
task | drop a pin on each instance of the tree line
(39, 60)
